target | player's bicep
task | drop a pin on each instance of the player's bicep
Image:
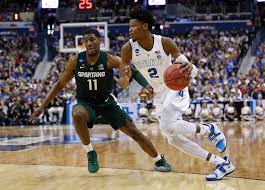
(126, 53)
(68, 72)
(170, 47)
(113, 61)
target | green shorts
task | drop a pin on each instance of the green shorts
(110, 112)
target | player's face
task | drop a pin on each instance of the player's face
(92, 43)
(137, 29)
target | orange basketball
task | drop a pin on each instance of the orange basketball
(174, 79)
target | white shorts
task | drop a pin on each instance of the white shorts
(175, 102)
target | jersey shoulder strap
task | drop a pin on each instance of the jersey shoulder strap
(158, 44)
(81, 58)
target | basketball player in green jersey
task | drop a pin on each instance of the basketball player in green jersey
(93, 72)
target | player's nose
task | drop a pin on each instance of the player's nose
(89, 44)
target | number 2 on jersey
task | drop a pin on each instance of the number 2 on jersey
(92, 84)
(153, 73)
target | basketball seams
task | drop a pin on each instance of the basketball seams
(175, 80)
(172, 72)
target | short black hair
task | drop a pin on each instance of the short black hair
(92, 31)
(139, 13)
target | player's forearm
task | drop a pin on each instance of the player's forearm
(124, 81)
(136, 75)
(57, 87)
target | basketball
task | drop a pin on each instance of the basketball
(174, 79)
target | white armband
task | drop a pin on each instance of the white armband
(194, 71)
(181, 59)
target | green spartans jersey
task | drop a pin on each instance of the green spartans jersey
(94, 82)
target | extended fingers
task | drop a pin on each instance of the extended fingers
(186, 68)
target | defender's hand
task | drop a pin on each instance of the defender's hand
(150, 90)
(123, 82)
(126, 71)
(36, 114)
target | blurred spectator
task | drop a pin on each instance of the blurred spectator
(246, 114)
(259, 112)
(205, 114)
(216, 112)
(230, 111)
(3, 117)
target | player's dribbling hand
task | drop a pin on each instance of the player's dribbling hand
(186, 68)
(36, 114)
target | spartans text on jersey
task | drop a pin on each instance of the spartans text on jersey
(91, 74)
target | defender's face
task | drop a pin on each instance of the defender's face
(92, 43)
(136, 29)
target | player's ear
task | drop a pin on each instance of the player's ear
(145, 26)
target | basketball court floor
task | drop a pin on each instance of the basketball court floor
(51, 157)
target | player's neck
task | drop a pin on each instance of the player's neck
(92, 59)
(147, 41)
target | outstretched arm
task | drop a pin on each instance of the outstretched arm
(116, 62)
(64, 78)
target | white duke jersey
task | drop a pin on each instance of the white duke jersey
(152, 65)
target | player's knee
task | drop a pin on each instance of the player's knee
(78, 115)
(178, 141)
(169, 127)
(133, 132)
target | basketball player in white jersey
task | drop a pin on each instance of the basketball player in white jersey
(151, 55)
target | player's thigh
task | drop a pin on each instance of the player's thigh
(171, 113)
(115, 116)
(83, 109)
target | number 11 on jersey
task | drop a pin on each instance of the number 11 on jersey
(92, 84)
